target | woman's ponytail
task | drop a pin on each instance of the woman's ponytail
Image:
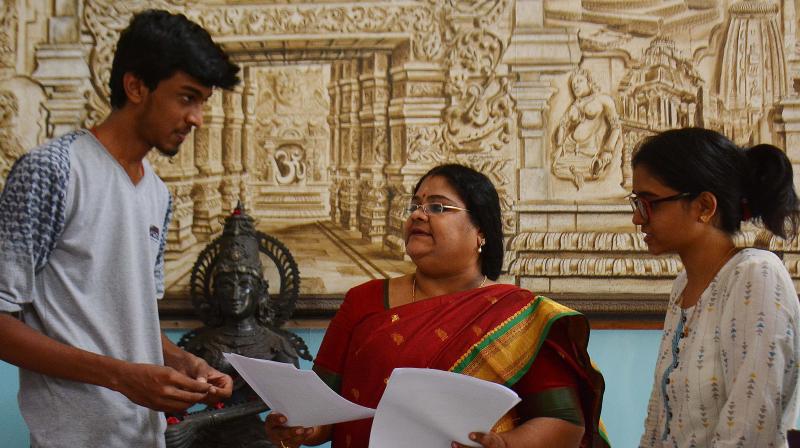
(769, 190)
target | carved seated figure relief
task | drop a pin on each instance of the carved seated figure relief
(229, 292)
(10, 147)
(589, 133)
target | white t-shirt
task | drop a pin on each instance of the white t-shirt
(81, 257)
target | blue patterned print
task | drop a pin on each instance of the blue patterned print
(34, 200)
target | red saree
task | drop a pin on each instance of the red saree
(493, 333)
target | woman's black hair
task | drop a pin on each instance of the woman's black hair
(748, 183)
(483, 203)
(157, 44)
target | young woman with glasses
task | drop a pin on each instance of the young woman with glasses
(726, 373)
(451, 315)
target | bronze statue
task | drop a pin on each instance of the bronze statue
(229, 292)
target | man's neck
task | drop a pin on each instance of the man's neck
(121, 140)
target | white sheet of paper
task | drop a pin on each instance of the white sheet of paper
(300, 395)
(431, 408)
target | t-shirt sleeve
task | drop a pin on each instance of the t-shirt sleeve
(32, 216)
(159, 268)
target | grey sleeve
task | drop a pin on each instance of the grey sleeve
(32, 217)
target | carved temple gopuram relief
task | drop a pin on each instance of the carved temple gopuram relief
(343, 106)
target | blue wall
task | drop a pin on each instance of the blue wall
(626, 358)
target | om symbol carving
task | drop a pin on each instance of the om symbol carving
(589, 133)
(289, 164)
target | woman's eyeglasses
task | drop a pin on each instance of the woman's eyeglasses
(645, 206)
(434, 208)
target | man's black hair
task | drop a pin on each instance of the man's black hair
(157, 44)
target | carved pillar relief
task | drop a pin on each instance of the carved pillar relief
(790, 119)
(335, 125)
(9, 21)
(415, 120)
(63, 70)
(232, 147)
(180, 237)
(10, 147)
(349, 142)
(249, 142)
(232, 131)
(208, 138)
(208, 159)
(374, 147)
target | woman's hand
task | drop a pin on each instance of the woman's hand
(539, 432)
(290, 436)
(487, 440)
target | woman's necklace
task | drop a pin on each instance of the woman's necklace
(414, 286)
(687, 325)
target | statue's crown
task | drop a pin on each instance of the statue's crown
(239, 249)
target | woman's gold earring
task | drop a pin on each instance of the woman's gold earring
(481, 244)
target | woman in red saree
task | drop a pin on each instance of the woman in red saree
(450, 315)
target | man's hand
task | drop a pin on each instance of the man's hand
(220, 384)
(160, 388)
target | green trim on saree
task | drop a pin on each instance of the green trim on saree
(525, 317)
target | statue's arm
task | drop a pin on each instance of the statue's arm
(564, 125)
(614, 124)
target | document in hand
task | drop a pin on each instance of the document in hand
(420, 407)
(432, 408)
(300, 395)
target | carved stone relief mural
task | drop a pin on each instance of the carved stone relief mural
(588, 134)
(291, 142)
(8, 33)
(344, 105)
(10, 147)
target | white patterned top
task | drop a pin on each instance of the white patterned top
(733, 381)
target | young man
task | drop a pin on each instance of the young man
(83, 222)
